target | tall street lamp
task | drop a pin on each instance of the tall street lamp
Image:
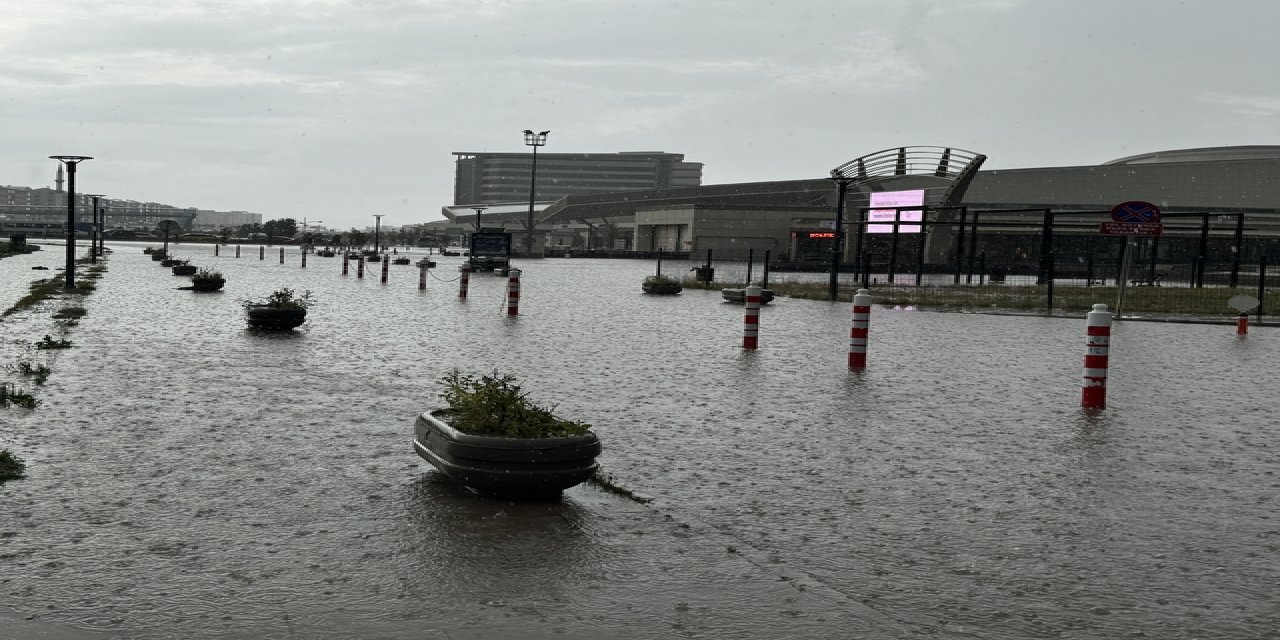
(534, 140)
(377, 227)
(93, 238)
(304, 231)
(71, 162)
(479, 209)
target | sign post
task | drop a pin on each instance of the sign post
(1128, 219)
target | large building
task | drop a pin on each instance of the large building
(496, 178)
(44, 210)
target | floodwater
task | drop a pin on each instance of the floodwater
(190, 478)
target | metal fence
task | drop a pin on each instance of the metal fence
(1040, 259)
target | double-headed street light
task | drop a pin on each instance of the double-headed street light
(304, 230)
(71, 162)
(534, 140)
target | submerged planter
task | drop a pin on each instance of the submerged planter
(207, 284)
(510, 467)
(274, 318)
(184, 269)
(663, 287)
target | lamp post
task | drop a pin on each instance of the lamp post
(479, 209)
(837, 243)
(305, 242)
(534, 140)
(93, 239)
(377, 227)
(71, 162)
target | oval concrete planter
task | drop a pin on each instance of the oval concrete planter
(273, 319)
(506, 467)
(661, 288)
(207, 284)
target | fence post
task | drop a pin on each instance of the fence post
(304, 258)
(1262, 285)
(861, 327)
(281, 255)
(345, 263)
(751, 317)
(360, 267)
(262, 252)
(422, 275)
(215, 250)
(237, 251)
(386, 262)
(464, 279)
(1093, 394)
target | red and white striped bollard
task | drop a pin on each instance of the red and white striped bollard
(513, 292)
(1242, 324)
(751, 317)
(860, 330)
(1093, 395)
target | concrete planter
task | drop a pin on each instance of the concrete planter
(507, 467)
(207, 284)
(661, 287)
(275, 319)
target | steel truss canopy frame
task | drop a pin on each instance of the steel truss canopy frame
(952, 168)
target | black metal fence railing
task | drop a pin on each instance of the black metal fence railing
(1039, 259)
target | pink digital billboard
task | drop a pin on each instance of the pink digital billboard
(893, 199)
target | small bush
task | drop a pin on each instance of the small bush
(11, 467)
(49, 343)
(494, 405)
(38, 372)
(283, 298)
(17, 397)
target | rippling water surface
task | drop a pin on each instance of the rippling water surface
(190, 478)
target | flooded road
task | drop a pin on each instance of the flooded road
(190, 478)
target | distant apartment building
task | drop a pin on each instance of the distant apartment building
(495, 178)
(207, 219)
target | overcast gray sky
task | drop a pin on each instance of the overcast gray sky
(337, 110)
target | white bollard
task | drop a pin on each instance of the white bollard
(1093, 395)
(861, 328)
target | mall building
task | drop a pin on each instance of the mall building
(1219, 192)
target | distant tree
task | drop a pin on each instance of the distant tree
(245, 229)
(224, 234)
(282, 228)
(358, 238)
